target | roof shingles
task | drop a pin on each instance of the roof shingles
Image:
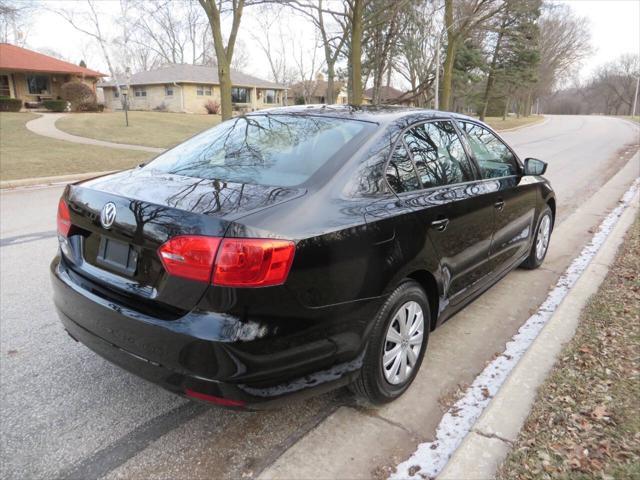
(185, 73)
(17, 58)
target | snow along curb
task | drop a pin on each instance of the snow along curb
(490, 438)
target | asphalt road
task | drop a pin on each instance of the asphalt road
(65, 412)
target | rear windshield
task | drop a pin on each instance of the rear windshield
(278, 150)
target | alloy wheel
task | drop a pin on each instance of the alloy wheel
(403, 343)
(542, 239)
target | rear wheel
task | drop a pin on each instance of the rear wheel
(397, 345)
(541, 241)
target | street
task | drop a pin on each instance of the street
(68, 413)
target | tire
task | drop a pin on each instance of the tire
(538, 252)
(376, 383)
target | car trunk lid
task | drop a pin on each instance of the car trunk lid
(150, 209)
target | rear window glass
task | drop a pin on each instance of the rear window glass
(277, 150)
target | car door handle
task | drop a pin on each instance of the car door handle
(440, 224)
(499, 205)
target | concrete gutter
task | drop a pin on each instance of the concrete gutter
(493, 435)
(50, 181)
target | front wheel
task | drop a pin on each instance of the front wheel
(397, 345)
(541, 240)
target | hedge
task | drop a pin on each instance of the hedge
(91, 107)
(10, 104)
(55, 105)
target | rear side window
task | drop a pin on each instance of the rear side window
(494, 157)
(438, 154)
(275, 150)
(401, 173)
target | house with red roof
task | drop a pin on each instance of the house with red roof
(33, 77)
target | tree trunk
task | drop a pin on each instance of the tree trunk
(452, 47)
(355, 55)
(224, 77)
(491, 77)
(506, 108)
(223, 54)
(330, 98)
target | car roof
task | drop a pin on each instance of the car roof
(372, 113)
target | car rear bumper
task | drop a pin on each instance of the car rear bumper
(210, 353)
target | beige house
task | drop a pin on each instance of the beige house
(188, 88)
(391, 96)
(34, 77)
(316, 91)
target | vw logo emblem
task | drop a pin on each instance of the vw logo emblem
(108, 215)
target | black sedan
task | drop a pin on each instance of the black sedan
(295, 250)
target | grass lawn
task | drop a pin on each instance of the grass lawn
(24, 154)
(585, 422)
(635, 118)
(152, 129)
(512, 122)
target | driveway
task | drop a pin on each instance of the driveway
(67, 413)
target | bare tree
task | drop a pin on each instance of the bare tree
(333, 35)
(416, 49)
(564, 43)
(382, 28)
(461, 17)
(241, 56)
(272, 40)
(15, 20)
(88, 22)
(356, 23)
(224, 50)
(308, 67)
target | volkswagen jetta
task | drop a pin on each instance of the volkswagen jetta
(296, 250)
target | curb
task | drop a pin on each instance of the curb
(492, 437)
(49, 181)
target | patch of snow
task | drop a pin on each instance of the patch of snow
(457, 422)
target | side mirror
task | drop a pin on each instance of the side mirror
(533, 166)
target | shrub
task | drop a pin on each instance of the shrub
(55, 105)
(78, 94)
(299, 100)
(10, 104)
(91, 107)
(161, 108)
(212, 107)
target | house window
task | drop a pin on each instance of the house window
(203, 90)
(139, 92)
(5, 91)
(269, 96)
(38, 84)
(116, 93)
(240, 95)
(168, 90)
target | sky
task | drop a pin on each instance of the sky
(614, 26)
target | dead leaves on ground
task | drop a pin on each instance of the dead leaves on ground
(586, 420)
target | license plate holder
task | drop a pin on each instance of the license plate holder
(118, 256)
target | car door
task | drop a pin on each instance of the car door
(513, 195)
(457, 222)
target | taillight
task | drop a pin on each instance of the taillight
(64, 218)
(190, 256)
(253, 262)
(229, 262)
